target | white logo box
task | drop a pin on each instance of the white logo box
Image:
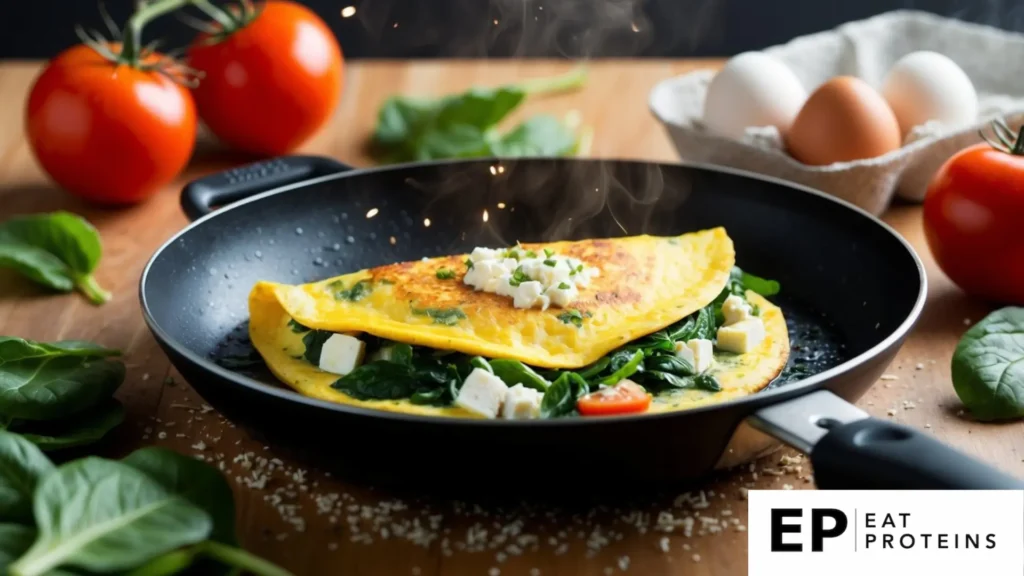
(933, 533)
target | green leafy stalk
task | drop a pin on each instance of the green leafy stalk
(132, 47)
(572, 80)
(238, 558)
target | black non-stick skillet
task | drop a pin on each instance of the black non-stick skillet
(847, 278)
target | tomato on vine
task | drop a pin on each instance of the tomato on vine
(973, 212)
(112, 122)
(272, 74)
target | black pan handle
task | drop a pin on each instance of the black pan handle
(200, 197)
(853, 451)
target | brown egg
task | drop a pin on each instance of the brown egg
(844, 119)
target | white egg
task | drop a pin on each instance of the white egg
(925, 86)
(752, 90)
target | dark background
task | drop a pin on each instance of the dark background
(520, 28)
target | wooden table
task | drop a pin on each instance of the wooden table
(313, 524)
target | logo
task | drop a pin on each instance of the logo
(874, 533)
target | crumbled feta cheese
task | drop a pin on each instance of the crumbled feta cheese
(531, 279)
(482, 393)
(341, 354)
(741, 337)
(522, 403)
(703, 353)
(735, 309)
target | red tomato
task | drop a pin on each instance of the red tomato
(973, 218)
(271, 83)
(106, 132)
(626, 397)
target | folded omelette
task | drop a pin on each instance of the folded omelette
(545, 330)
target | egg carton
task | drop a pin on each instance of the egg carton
(866, 49)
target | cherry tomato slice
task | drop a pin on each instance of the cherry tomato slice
(626, 397)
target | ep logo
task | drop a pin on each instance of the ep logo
(824, 523)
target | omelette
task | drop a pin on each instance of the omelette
(544, 330)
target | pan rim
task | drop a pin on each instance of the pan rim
(765, 397)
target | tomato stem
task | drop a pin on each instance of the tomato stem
(225, 18)
(131, 47)
(1006, 140)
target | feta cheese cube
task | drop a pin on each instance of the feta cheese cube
(703, 353)
(522, 403)
(741, 337)
(735, 309)
(529, 294)
(562, 297)
(683, 351)
(482, 393)
(341, 354)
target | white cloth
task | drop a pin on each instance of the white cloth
(867, 49)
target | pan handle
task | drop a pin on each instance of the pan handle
(850, 450)
(200, 196)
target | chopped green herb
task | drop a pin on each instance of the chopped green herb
(385, 282)
(518, 277)
(572, 316)
(443, 316)
(576, 270)
(548, 253)
(563, 286)
(469, 264)
(531, 254)
(296, 327)
(445, 274)
(550, 263)
(357, 292)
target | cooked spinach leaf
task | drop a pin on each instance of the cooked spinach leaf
(669, 363)
(514, 372)
(656, 381)
(590, 372)
(58, 250)
(560, 398)
(314, 342)
(988, 366)
(22, 467)
(443, 316)
(625, 369)
(759, 285)
(464, 125)
(355, 293)
(41, 381)
(80, 429)
(296, 327)
(572, 316)
(430, 397)
(378, 381)
(128, 512)
(481, 363)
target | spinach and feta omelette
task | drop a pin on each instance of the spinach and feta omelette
(641, 324)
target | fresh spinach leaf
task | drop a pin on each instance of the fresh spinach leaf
(430, 397)
(988, 366)
(378, 381)
(195, 481)
(705, 381)
(22, 467)
(560, 398)
(481, 363)
(657, 341)
(314, 342)
(655, 380)
(514, 372)
(669, 363)
(14, 541)
(296, 327)
(759, 285)
(401, 354)
(127, 512)
(80, 429)
(464, 125)
(58, 250)
(626, 370)
(48, 381)
(590, 372)
(443, 316)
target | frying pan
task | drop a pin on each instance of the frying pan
(300, 218)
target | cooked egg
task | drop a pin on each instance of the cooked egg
(845, 119)
(752, 90)
(926, 86)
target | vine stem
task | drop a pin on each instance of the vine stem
(131, 46)
(241, 559)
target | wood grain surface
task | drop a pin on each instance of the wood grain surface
(313, 524)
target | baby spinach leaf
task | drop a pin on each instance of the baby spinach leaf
(430, 397)
(401, 354)
(759, 285)
(22, 467)
(195, 481)
(443, 316)
(988, 366)
(481, 363)
(120, 508)
(669, 363)
(314, 342)
(355, 293)
(560, 398)
(463, 125)
(655, 380)
(378, 381)
(296, 327)
(48, 381)
(625, 370)
(14, 541)
(657, 341)
(594, 369)
(58, 250)
(80, 429)
(514, 372)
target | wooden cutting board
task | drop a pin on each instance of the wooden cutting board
(313, 524)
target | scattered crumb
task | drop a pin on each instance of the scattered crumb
(145, 376)
(967, 321)
(623, 563)
(696, 557)
(663, 544)
(920, 366)
(891, 412)
(927, 425)
(908, 405)
(890, 377)
(494, 572)
(787, 486)
(162, 435)
(199, 446)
